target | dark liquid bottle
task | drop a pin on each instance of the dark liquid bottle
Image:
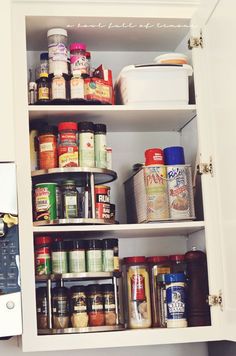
(198, 311)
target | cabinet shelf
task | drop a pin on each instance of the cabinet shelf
(90, 329)
(118, 118)
(79, 174)
(68, 222)
(76, 276)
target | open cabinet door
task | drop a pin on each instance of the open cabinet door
(215, 81)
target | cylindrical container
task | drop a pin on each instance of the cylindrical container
(34, 149)
(116, 254)
(198, 311)
(174, 155)
(109, 157)
(157, 265)
(57, 51)
(45, 201)
(60, 307)
(68, 145)
(69, 199)
(100, 145)
(43, 255)
(95, 305)
(44, 63)
(42, 307)
(88, 57)
(58, 87)
(47, 148)
(78, 301)
(78, 61)
(102, 202)
(76, 88)
(43, 92)
(177, 263)
(58, 201)
(161, 300)
(77, 262)
(59, 257)
(176, 300)
(109, 304)
(32, 94)
(108, 255)
(154, 156)
(94, 256)
(138, 292)
(86, 144)
(156, 191)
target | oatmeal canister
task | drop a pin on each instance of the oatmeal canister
(102, 202)
(45, 201)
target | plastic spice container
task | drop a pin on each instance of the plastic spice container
(42, 255)
(76, 88)
(58, 87)
(100, 145)
(94, 256)
(86, 144)
(109, 304)
(79, 315)
(138, 292)
(59, 257)
(158, 265)
(47, 148)
(161, 301)
(68, 145)
(95, 305)
(42, 308)
(177, 263)
(43, 88)
(77, 256)
(60, 307)
(108, 255)
(176, 300)
(78, 61)
(69, 199)
(57, 51)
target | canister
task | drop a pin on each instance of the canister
(45, 201)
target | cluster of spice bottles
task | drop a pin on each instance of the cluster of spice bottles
(70, 144)
(78, 306)
(54, 255)
(167, 291)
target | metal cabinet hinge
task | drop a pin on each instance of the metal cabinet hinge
(195, 42)
(205, 168)
(215, 300)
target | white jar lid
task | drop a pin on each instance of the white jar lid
(57, 31)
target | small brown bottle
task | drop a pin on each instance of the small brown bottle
(198, 311)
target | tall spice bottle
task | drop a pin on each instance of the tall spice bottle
(86, 144)
(100, 145)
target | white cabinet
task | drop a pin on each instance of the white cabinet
(107, 30)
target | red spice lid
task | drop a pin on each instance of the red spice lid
(177, 257)
(157, 259)
(67, 126)
(87, 54)
(154, 156)
(42, 240)
(135, 259)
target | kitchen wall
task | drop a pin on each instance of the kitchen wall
(10, 348)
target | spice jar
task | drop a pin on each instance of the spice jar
(77, 256)
(109, 304)
(42, 255)
(177, 263)
(69, 199)
(60, 307)
(161, 320)
(109, 157)
(78, 61)
(94, 256)
(44, 62)
(59, 257)
(88, 57)
(86, 144)
(108, 255)
(47, 147)
(100, 145)
(76, 88)
(95, 305)
(116, 254)
(138, 292)
(79, 315)
(58, 87)
(42, 307)
(43, 92)
(157, 265)
(57, 50)
(67, 146)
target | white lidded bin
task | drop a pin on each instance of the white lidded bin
(153, 83)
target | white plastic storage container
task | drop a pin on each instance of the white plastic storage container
(152, 83)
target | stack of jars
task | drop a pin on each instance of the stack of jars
(75, 256)
(79, 307)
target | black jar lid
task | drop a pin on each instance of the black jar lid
(58, 246)
(60, 291)
(100, 128)
(76, 245)
(94, 244)
(108, 244)
(108, 287)
(86, 126)
(94, 288)
(41, 292)
(77, 289)
(46, 129)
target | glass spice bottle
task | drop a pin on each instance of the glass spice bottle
(79, 315)
(109, 304)
(108, 255)
(100, 145)
(94, 256)
(77, 256)
(43, 88)
(68, 145)
(42, 307)
(86, 144)
(69, 199)
(47, 140)
(42, 255)
(59, 257)
(60, 308)
(95, 305)
(78, 59)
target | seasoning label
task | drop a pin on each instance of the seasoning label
(71, 206)
(45, 202)
(59, 262)
(95, 303)
(60, 306)
(137, 287)
(42, 307)
(86, 149)
(94, 260)
(44, 147)
(42, 263)
(109, 302)
(79, 64)
(77, 261)
(100, 151)
(175, 299)
(76, 88)
(43, 93)
(68, 156)
(108, 260)
(58, 88)
(78, 303)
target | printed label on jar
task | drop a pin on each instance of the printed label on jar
(100, 151)
(58, 88)
(59, 262)
(175, 299)
(43, 264)
(68, 156)
(95, 303)
(77, 261)
(79, 64)
(71, 207)
(94, 261)
(60, 306)
(76, 88)
(109, 302)
(45, 203)
(108, 260)
(43, 93)
(42, 308)
(48, 146)
(78, 302)
(86, 149)
(57, 52)
(138, 287)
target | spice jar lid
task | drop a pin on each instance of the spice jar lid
(108, 287)
(135, 259)
(58, 246)
(70, 125)
(157, 259)
(94, 288)
(57, 31)
(86, 126)
(108, 244)
(47, 130)
(68, 182)
(76, 245)
(174, 155)
(44, 56)
(154, 156)
(77, 289)
(176, 257)
(60, 291)
(93, 244)
(43, 75)
(42, 240)
(41, 292)
(88, 55)
(100, 128)
(174, 277)
(77, 45)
